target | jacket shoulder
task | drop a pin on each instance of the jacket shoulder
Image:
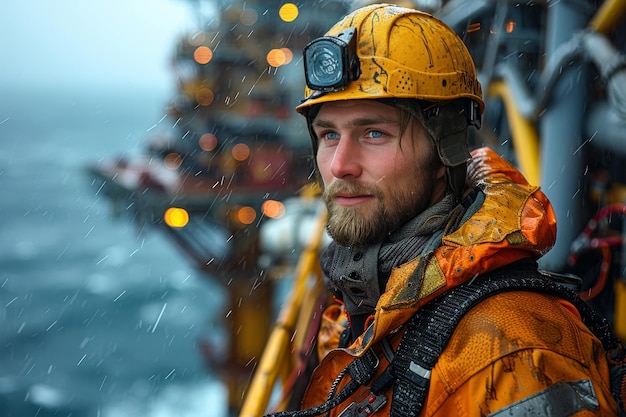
(511, 347)
(510, 322)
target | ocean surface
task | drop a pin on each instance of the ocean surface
(96, 318)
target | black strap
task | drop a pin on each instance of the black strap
(430, 329)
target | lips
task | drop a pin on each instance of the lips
(352, 200)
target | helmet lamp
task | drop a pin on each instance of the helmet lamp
(330, 62)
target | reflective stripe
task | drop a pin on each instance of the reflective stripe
(559, 400)
(418, 370)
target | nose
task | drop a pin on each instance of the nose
(346, 162)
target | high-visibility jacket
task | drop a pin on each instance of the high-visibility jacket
(516, 353)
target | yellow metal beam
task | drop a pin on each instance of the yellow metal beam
(278, 348)
(523, 134)
(608, 16)
(620, 308)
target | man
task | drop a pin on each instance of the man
(391, 93)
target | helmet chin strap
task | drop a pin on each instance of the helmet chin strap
(455, 177)
(448, 125)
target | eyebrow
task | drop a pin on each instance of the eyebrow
(361, 121)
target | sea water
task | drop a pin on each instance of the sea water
(97, 318)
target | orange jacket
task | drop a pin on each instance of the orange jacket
(516, 346)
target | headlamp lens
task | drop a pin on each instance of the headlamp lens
(330, 62)
(324, 67)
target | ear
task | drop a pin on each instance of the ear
(441, 173)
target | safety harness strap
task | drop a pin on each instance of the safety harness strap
(430, 329)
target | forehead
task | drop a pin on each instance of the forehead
(357, 108)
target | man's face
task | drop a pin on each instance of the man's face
(375, 176)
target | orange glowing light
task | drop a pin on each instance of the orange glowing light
(249, 17)
(473, 27)
(288, 12)
(240, 152)
(510, 26)
(176, 217)
(246, 215)
(273, 209)
(172, 160)
(276, 57)
(204, 96)
(288, 55)
(207, 142)
(203, 54)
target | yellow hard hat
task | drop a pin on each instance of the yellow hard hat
(387, 51)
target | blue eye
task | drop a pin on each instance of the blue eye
(374, 134)
(331, 136)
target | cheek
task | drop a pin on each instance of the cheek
(323, 166)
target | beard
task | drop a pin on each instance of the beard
(375, 220)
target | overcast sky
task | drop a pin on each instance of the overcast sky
(110, 43)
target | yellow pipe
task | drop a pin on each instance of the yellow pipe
(608, 15)
(620, 309)
(523, 134)
(277, 348)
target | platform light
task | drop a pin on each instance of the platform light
(273, 209)
(248, 17)
(246, 215)
(176, 217)
(240, 152)
(203, 54)
(473, 27)
(207, 142)
(172, 161)
(288, 12)
(276, 57)
(204, 96)
(288, 55)
(510, 26)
